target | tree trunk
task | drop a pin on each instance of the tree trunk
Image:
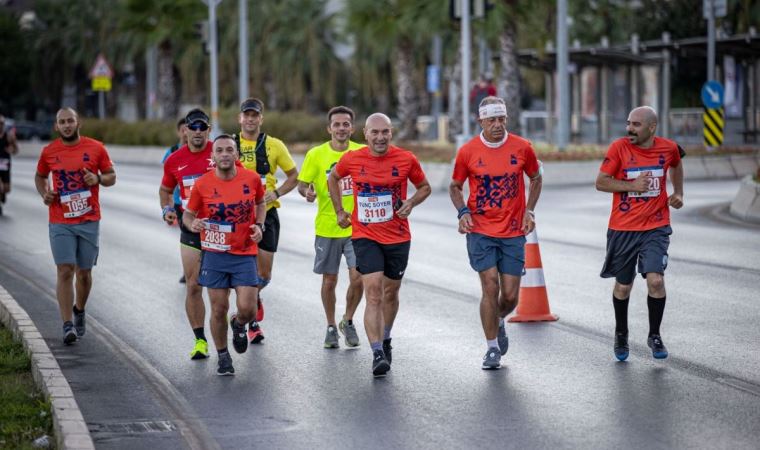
(408, 103)
(509, 80)
(454, 76)
(167, 92)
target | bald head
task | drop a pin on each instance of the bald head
(378, 132)
(641, 126)
(67, 125)
(67, 111)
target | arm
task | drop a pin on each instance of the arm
(423, 191)
(261, 214)
(167, 204)
(12, 147)
(40, 182)
(107, 178)
(307, 191)
(290, 182)
(676, 177)
(534, 191)
(191, 222)
(607, 183)
(457, 198)
(336, 197)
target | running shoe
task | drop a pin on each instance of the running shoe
(492, 360)
(225, 365)
(387, 350)
(331, 338)
(182, 280)
(80, 323)
(658, 348)
(200, 350)
(69, 335)
(503, 339)
(380, 365)
(260, 311)
(255, 334)
(621, 346)
(349, 331)
(239, 341)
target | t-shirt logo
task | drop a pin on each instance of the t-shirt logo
(215, 194)
(480, 163)
(394, 171)
(662, 159)
(86, 157)
(246, 189)
(606, 161)
(362, 171)
(632, 160)
(513, 159)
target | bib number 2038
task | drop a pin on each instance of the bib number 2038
(216, 236)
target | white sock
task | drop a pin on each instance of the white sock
(492, 343)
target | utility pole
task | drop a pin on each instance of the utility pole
(466, 66)
(563, 80)
(243, 50)
(710, 40)
(213, 64)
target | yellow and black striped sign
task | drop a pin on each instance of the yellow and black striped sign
(713, 131)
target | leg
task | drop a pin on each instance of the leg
(83, 287)
(246, 303)
(64, 290)
(390, 302)
(191, 264)
(353, 293)
(510, 289)
(265, 261)
(329, 282)
(219, 307)
(655, 301)
(489, 308)
(373, 312)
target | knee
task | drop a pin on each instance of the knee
(373, 294)
(66, 272)
(509, 297)
(329, 282)
(84, 275)
(655, 283)
(622, 291)
(491, 287)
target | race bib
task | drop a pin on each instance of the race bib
(76, 204)
(375, 207)
(187, 188)
(346, 187)
(216, 236)
(5, 164)
(655, 180)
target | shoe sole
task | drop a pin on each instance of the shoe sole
(484, 367)
(353, 344)
(198, 355)
(659, 355)
(70, 338)
(621, 356)
(381, 369)
(332, 346)
(257, 340)
(225, 374)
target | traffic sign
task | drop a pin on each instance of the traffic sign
(713, 127)
(101, 84)
(712, 94)
(720, 8)
(101, 68)
(433, 79)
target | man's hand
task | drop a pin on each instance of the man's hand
(49, 197)
(465, 223)
(529, 223)
(170, 217)
(641, 183)
(344, 219)
(676, 201)
(310, 194)
(405, 209)
(90, 178)
(198, 225)
(256, 234)
(270, 196)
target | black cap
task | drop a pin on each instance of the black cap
(252, 104)
(196, 115)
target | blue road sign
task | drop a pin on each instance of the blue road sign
(712, 94)
(433, 79)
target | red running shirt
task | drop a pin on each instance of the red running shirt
(76, 202)
(633, 211)
(183, 167)
(497, 187)
(230, 207)
(380, 184)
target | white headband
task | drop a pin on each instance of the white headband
(492, 110)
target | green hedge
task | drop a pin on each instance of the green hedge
(291, 127)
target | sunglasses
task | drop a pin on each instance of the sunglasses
(198, 126)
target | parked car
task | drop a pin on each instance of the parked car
(30, 131)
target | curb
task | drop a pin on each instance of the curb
(70, 429)
(746, 204)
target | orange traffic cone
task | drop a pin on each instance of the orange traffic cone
(533, 305)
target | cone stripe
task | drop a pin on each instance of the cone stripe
(532, 257)
(533, 278)
(532, 237)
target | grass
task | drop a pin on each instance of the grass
(24, 412)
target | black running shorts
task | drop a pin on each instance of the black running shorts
(271, 236)
(391, 259)
(627, 248)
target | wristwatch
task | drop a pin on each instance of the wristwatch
(262, 226)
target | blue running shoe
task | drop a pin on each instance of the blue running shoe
(658, 348)
(621, 346)
(503, 339)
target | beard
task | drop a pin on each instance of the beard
(74, 136)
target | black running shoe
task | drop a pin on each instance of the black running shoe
(69, 335)
(658, 348)
(387, 350)
(239, 340)
(225, 365)
(80, 323)
(621, 346)
(380, 365)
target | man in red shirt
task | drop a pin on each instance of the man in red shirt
(635, 170)
(79, 165)
(227, 208)
(496, 217)
(380, 232)
(181, 169)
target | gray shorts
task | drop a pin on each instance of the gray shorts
(506, 254)
(328, 253)
(625, 248)
(75, 244)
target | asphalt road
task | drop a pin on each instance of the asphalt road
(560, 386)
